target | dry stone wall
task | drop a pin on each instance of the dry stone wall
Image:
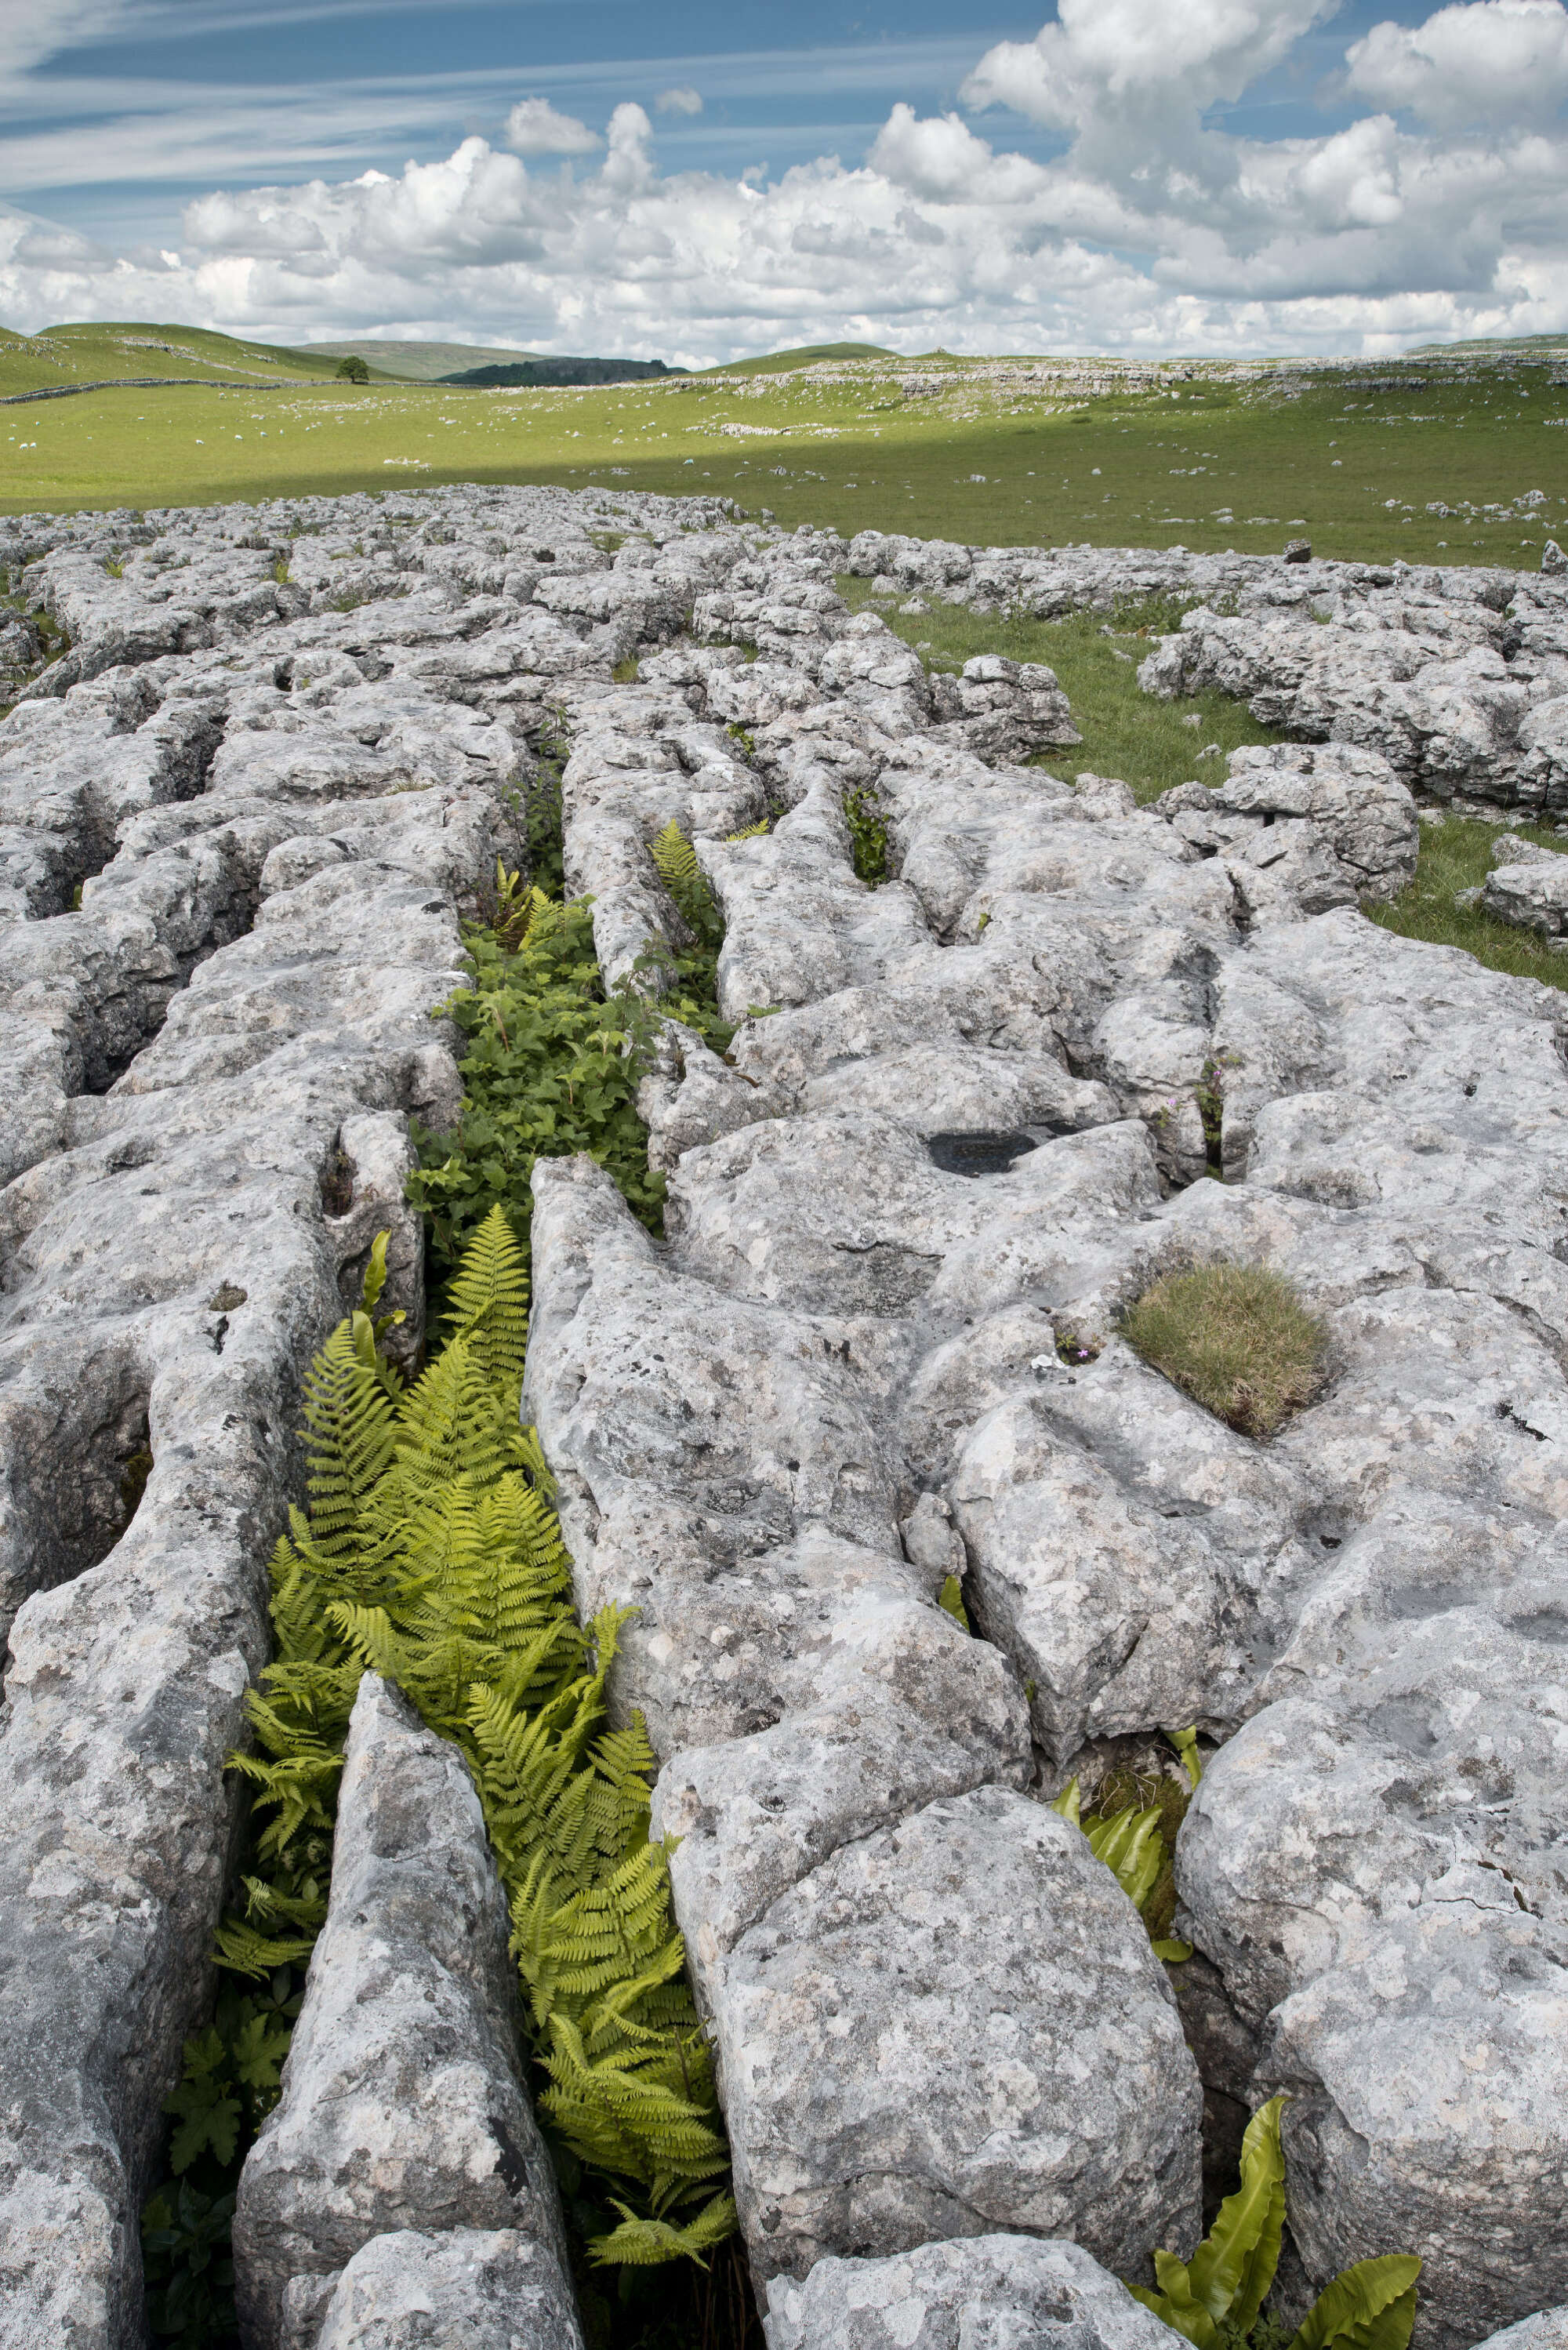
(966, 1117)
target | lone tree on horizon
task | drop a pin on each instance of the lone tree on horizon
(353, 369)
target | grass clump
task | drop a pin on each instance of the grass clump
(1236, 1338)
(1456, 855)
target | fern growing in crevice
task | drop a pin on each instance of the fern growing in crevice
(867, 818)
(1137, 1839)
(430, 1553)
(552, 1066)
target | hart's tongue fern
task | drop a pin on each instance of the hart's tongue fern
(431, 1552)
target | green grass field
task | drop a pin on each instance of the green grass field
(1151, 745)
(67, 355)
(1231, 460)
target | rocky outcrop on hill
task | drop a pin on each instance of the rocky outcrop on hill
(967, 1117)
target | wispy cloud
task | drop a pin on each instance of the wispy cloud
(77, 130)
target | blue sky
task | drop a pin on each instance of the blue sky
(372, 85)
(1264, 172)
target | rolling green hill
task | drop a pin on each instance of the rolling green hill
(64, 357)
(1531, 348)
(785, 362)
(417, 362)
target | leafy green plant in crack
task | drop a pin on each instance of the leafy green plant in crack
(1217, 2299)
(868, 822)
(430, 1554)
(552, 1066)
(1134, 1832)
(676, 862)
(228, 2085)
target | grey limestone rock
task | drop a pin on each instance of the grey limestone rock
(496, 2289)
(1045, 982)
(403, 2106)
(1528, 885)
(1547, 2330)
(898, 2032)
(982, 2293)
(966, 1117)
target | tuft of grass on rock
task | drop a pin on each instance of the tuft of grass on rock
(1237, 1338)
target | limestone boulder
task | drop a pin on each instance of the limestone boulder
(403, 2105)
(495, 2289)
(953, 2025)
(984, 2290)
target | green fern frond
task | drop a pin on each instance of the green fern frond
(676, 858)
(451, 1425)
(676, 861)
(532, 1461)
(244, 1951)
(349, 1422)
(1133, 1849)
(490, 1303)
(648, 2244)
(431, 1552)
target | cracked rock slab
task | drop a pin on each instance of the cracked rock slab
(483, 2289)
(403, 2105)
(954, 2024)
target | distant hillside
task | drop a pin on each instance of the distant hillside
(557, 370)
(417, 362)
(1525, 347)
(62, 357)
(785, 362)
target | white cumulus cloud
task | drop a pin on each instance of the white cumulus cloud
(1439, 211)
(684, 101)
(1103, 61)
(533, 128)
(1483, 60)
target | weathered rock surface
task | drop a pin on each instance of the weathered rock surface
(484, 2290)
(1548, 2330)
(210, 1069)
(965, 1119)
(1528, 885)
(903, 1218)
(955, 2023)
(403, 2105)
(988, 2290)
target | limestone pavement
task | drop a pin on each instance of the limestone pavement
(966, 1117)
